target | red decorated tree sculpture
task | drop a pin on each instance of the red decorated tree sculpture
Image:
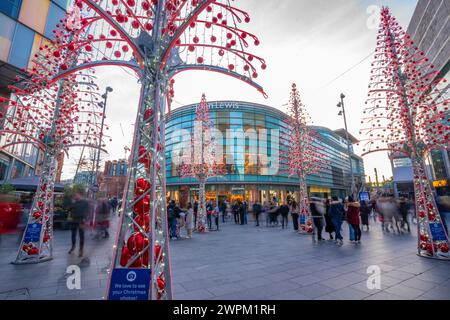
(302, 155)
(407, 112)
(205, 159)
(157, 39)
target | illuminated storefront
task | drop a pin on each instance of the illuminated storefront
(254, 129)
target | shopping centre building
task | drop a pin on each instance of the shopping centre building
(247, 128)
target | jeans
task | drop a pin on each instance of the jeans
(245, 218)
(257, 218)
(172, 227)
(351, 232)
(337, 226)
(75, 226)
(357, 232)
(319, 226)
(284, 221)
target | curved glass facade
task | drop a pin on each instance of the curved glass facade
(252, 139)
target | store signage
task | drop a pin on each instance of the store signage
(33, 233)
(129, 284)
(220, 105)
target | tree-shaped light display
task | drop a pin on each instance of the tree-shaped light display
(157, 39)
(407, 112)
(53, 117)
(205, 159)
(302, 155)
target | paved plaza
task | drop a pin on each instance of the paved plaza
(245, 262)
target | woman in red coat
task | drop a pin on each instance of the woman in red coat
(353, 217)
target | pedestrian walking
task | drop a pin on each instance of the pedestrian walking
(216, 215)
(365, 212)
(404, 209)
(257, 209)
(195, 213)
(102, 212)
(353, 218)
(223, 210)
(241, 211)
(284, 211)
(209, 212)
(173, 212)
(329, 226)
(79, 210)
(189, 220)
(294, 209)
(235, 210)
(317, 212)
(113, 203)
(336, 214)
(245, 210)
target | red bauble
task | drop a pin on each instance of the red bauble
(33, 251)
(125, 257)
(142, 206)
(200, 60)
(141, 186)
(161, 283)
(137, 263)
(148, 113)
(444, 248)
(423, 237)
(46, 237)
(136, 242)
(143, 222)
(37, 215)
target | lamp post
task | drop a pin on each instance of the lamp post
(97, 158)
(342, 113)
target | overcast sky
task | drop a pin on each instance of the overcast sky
(308, 42)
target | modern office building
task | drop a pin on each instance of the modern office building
(25, 25)
(253, 139)
(430, 30)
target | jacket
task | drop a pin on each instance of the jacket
(353, 213)
(336, 210)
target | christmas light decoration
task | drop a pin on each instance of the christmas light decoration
(302, 155)
(205, 159)
(157, 40)
(52, 116)
(407, 112)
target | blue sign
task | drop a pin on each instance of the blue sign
(129, 284)
(302, 219)
(364, 196)
(33, 233)
(437, 231)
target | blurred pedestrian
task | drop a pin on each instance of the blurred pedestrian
(257, 209)
(102, 212)
(209, 213)
(216, 215)
(223, 210)
(336, 214)
(365, 212)
(284, 211)
(79, 211)
(404, 210)
(294, 214)
(113, 203)
(353, 218)
(189, 220)
(195, 212)
(245, 210)
(317, 212)
(173, 212)
(235, 210)
(329, 226)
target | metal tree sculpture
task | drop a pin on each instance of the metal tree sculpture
(53, 118)
(204, 161)
(408, 112)
(302, 155)
(157, 39)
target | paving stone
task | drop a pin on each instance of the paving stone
(405, 292)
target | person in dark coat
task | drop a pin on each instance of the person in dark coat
(336, 214)
(365, 212)
(236, 212)
(317, 217)
(295, 214)
(79, 211)
(284, 211)
(353, 218)
(257, 209)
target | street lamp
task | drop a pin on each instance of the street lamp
(342, 113)
(101, 104)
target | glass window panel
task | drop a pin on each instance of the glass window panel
(35, 48)
(21, 48)
(63, 3)
(55, 14)
(10, 7)
(7, 27)
(34, 13)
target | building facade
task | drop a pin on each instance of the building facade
(430, 30)
(252, 139)
(112, 181)
(25, 25)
